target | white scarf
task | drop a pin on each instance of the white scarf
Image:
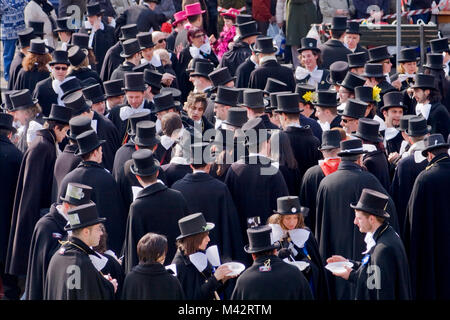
(370, 243)
(56, 87)
(195, 52)
(315, 75)
(403, 76)
(423, 109)
(127, 111)
(91, 36)
(324, 125)
(390, 133)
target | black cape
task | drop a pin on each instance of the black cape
(151, 282)
(308, 192)
(65, 163)
(208, 195)
(29, 79)
(72, 276)
(394, 144)
(439, 119)
(14, 68)
(106, 196)
(46, 95)
(111, 61)
(233, 58)
(33, 194)
(243, 72)
(103, 40)
(282, 282)
(335, 230)
(333, 50)
(376, 163)
(119, 72)
(83, 74)
(427, 227)
(107, 131)
(273, 69)
(156, 209)
(174, 171)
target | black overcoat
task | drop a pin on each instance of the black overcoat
(308, 193)
(233, 58)
(333, 50)
(376, 163)
(103, 40)
(272, 69)
(29, 79)
(174, 171)
(14, 68)
(65, 163)
(46, 95)
(107, 131)
(439, 119)
(85, 73)
(111, 61)
(243, 72)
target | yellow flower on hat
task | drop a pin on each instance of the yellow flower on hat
(376, 94)
(309, 96)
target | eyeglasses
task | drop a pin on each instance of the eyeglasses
(162, 40)
(199, 35)
(60, 68)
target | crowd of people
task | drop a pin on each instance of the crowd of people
(154, 155)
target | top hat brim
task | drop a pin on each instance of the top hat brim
(243, 36)
(423, 86)
(66, 62)
(327, 147)
(417, 59)
(148, 142)
(375, 75)
(101, 12)
(379, 213)
(434, 66)
(393, 106)
(378, 138)
(209, 226)
(198, 74)
(278, 110)
(115, 94)
(84, 225)
(300, 50)
(380, 58)
(176, 104)
(260, 249)
(63, 30)
(36, 52)
(25, 106)
(266, 50)
(11, 128)
(83, 152)
(351, 153)
(303, 210)
(326, 105)
(419, 133)
(265, 104)
(436, 146)
(123, 55)
(196, 14)
(146, 172)
(65, 121)
(224, 82)
(135, 88)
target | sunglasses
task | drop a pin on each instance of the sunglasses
(162, 40)
(347, 120)
(61, 68)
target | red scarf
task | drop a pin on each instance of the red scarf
(330, 166)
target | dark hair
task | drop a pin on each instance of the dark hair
(367, 215)
(171, 122)
(52, 125)
(149, 179)
(285, 153)
(192, 19)
(438, 151)
(4, 132)
(190, 244)
(316, 54)
(192, 32)
(151, 247)
(86, 156)
(264, 253)
(440, 83)
(193, 98)
(336, 34)
(278, 219)
(102, 245)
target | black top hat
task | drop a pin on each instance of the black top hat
(354, 109)
(368, 130)
(439, 45)
(129, 31)
(130, 47)
(255, 128)
(352, 28)
(308, 44)
(22, 99)
(78, 125)
(351, 81)
(378, 54)
(290, 205)
(264, 45)
(62, 25)
(408, 55)
(260, 239)
(287, 103)
(236, 117)
(94, 9)
(365, 94)
(134, 81)
(248, 29)
(88, 141)
(81, 40)
(83, 216)
(77, 194)
(253, 99)
(6, 121)
(351, 147)
(326, 99)
(306, 93)
(144, 163)
(393, 99)
(221, 77)
(145, 39)
(435, 61)
(76, 55)
(202, 69)
(143, 66)
(357, 60)
(417, 127)
(193, 62)
(37, 46)
(59, 114)
(174, 91)
(77, 103)
(227, 96)
(338, 70)
(114, 88)
(243, 18)
(146, 134)
(339, 23)
(434, 141)
(331, 139)
(134, 119)
(193, 224)
(153, 78)
(25, 37)
(373, 70)
(372, 202)
(94, 93)
(59, 57)
(424, 81)
(7, 104)
(164, 101)
(404, 120)
(274, 85)
(69, 86)
(38, 27)
(274, 101)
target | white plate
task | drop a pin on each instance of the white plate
(236, 268)
(302, 265)
(338, 267)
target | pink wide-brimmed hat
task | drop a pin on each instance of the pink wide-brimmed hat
(232, 13)
(193, 9)
(179, 16)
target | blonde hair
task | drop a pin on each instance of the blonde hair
(83, 64)
(163, 56)
(278, 219)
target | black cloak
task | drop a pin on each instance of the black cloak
(107, 131)
(234, 57)
(46, 95)
(273, 69)
(29, 79)
(243, 72)
(65, 163)
(377, 163)
(111, 61)
(308, 193)
(14, 68)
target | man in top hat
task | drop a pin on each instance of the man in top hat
(254, 102)
(165, 103)
(236, 118)
(338, 71)
(383, 273)
(304, 144)
(132, 54)
(105, 190)
(392, 110)
(9, 170)
(115, 95)
(241, 49)
(210, 196)
(326, 110)
(429, 105)
(335, 230)
(347, 88)
(142, 15)
(168, 206)
(49, 230)
(224, 100)
(244, 70)
(269, 278)
(64, 32)
(74, 259)
(255, 184)
(352, 37)
(200, 76)
(67, 160)
(375, 77)
(334, 49)
(427, 220)
(441, 46)
(44, 14)
(34, 187)
(313, 176)
(95, 96)
(25, 37)
(306, 96)
(101, 36)
(380, 55)
(353, 111)
(412, 163)
(47, 91)
(269, 66)
(356, 62)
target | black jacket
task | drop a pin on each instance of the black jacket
(14, 68)
(119, 72)
(333, 50)
(111, 61)
(439, 119)
(141, 15)
(46, 95)
(243, 72)
(272, 69)
(29, 79)
(103, 40)
(107, 131)
(234, 57)
(174, 171)
(308, 192)
(376, 163)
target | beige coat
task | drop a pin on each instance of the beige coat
(329, 7)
